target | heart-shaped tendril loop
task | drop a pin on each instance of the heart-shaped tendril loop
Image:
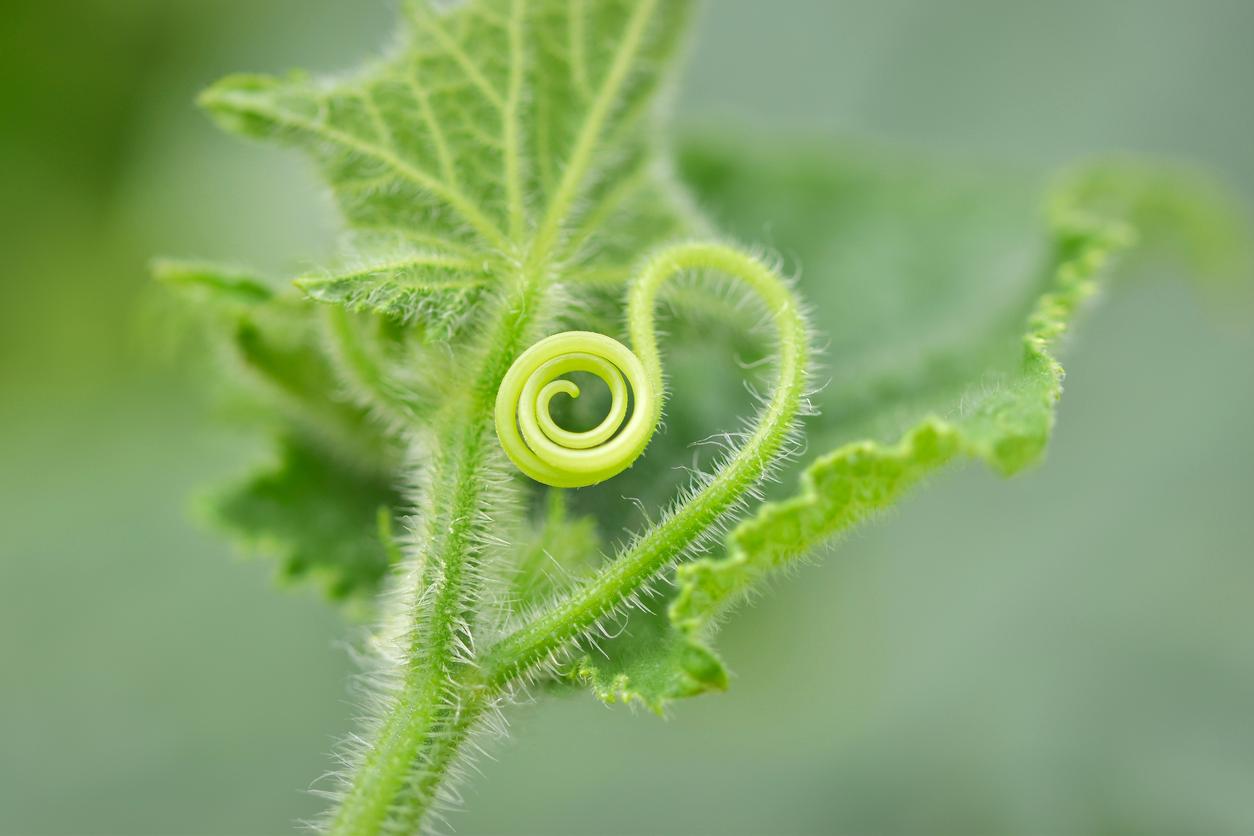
(547, 453)
(564, 458)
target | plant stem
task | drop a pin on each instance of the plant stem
(397, 778)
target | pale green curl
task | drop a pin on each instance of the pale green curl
(555, 456)
(563, 458)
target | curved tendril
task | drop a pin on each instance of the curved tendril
(565, 459)
(696, 513)
(555, 456)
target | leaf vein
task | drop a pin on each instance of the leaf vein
(590, 131)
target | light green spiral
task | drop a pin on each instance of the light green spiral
(549, 454)
(563, 458)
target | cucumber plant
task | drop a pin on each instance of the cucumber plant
(517, 227)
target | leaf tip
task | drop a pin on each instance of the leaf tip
(210, 282)
(244, 104)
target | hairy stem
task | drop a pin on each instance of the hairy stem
(441, 752)
(398, 775)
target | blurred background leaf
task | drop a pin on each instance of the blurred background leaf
(1068, 652)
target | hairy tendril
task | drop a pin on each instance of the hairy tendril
(555, 456)
(581, 609)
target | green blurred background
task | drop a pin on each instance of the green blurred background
(1069, 652)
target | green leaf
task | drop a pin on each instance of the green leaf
(496, 131)
(436, 291)
(649, 664)
(316, 517)
(326, 509)
(987, 392)
(276, 342)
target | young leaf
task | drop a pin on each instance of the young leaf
(325, 510)
(506, 129)
(316, 517)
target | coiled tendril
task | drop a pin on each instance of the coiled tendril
(565, 459)
(560, 457)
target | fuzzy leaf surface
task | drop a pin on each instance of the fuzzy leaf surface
(496, 131)
(439, 293)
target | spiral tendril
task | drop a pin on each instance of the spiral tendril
(564, 458)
